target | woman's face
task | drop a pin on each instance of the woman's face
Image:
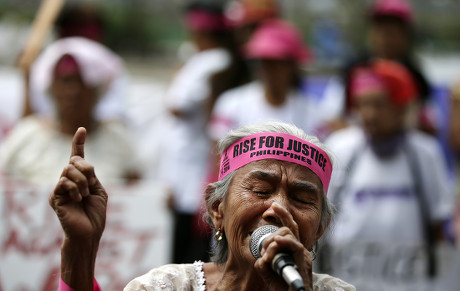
(74, 99)
(389, 39)
(380, 118)
(254, 189)
(277, 76)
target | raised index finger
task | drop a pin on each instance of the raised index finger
(286, 219)
(78, 143)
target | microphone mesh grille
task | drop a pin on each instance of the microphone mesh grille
(257, 235)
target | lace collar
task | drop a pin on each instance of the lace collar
(201, 281)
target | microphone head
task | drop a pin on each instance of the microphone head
(258, 236)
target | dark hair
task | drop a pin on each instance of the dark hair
(213, 6)
(75, 18)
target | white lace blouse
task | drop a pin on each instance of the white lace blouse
(191, 277)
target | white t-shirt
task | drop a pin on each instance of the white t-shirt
(378, 231)
(186, 143)
(247, 105)
(34, 150)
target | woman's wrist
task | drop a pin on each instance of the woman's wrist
(77, 263)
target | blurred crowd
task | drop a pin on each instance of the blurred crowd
(396, 176)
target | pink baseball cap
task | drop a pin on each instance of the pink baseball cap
(385, 76)
(278, 40)
(396, 8)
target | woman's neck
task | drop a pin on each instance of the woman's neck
(276, 99)
(71, 127)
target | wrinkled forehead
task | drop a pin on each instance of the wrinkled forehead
(276, 170)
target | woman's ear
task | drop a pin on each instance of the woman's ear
(321, 230)
(216, 208)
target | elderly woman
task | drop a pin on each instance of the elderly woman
(75, 82)
(271, 174)
(392, 187)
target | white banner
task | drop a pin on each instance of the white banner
(136, 237)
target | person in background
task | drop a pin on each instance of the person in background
(287, 193)
(213, 69)
(276, 94)
(87, 21)
(450, 281)
(72, 76)
(391, 37)
(391, 190)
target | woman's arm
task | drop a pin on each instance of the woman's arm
(80, 203)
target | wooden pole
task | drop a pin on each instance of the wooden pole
(44, 20)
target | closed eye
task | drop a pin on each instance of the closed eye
(261, 192)
(305, 193)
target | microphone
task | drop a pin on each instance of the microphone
(283, 263)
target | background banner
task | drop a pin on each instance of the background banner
(136, 237)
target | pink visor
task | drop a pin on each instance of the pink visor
(201, 20)
(279, 146)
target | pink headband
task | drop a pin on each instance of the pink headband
(279, 146)
(67, 65)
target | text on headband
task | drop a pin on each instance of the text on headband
(279, 146)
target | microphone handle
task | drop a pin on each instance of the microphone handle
(284, 265)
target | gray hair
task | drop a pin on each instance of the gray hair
(217, 191)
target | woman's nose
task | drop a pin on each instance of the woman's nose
(269, 214)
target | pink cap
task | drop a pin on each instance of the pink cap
(278, 40)
(385, 76)
(67, 65)
(203, 20)
(397, 8)
(365, 81)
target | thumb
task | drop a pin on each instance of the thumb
(78, 143)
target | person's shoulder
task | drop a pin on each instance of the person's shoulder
(233, 99)
(218, 54)
(115, 127)
(241, 92)
(347, 137)
(229, 109)
(33, 122)
(208, 60)
(167, 277)
(325, 282)
(28, 127)
(424, 143)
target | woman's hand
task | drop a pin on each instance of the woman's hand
(80, 203)
(285, 239)
(79, 200)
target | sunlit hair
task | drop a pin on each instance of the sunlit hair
(216, 192)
